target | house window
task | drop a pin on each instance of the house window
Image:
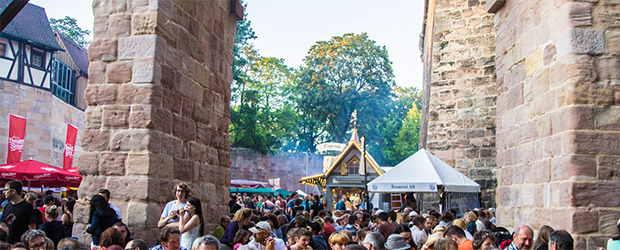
(3, 49)
(63, 81)
(37, 58)
(353, 166)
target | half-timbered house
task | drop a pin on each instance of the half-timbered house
(41, 80)
(27, 45)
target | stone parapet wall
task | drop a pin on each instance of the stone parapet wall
(46, 129)
(158, 108)
(558, 122)
(461, 128)
(289, 167)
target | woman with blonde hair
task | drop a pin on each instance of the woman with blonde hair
(242, 216)
(463, 225)
(470, 219)
(338, 241)
(52, 226)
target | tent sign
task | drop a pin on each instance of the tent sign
(403, 187)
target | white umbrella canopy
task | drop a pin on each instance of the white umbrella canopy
(422, 172)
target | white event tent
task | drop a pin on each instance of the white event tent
(423, 173)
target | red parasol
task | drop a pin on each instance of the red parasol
(39, 173)
(72, 176)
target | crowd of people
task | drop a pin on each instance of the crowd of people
(260, 222)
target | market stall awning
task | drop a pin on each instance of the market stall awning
(252, 190)
(38, 173)
(248, 184)
(283, 192)
(422, 172)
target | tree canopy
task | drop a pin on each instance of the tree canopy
(68, 27)
(275, 107)
(344, 74)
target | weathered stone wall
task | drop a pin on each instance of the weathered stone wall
(158, 113)
(46, 129)
(558, 136)
(461, 128)
(289, 167)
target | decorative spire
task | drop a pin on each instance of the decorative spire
(354, 137)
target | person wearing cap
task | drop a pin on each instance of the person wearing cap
(410, 217)
(396, 242)
(263, 239)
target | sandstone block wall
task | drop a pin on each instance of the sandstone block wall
(461, 128)
(158, 112)
(289, 167)
(46, 130)
(558, 117)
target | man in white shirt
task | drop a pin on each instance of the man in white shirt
(263, 240)
(417, 232)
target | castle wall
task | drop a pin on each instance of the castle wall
(247, 164)
(558, 109)
(46, 129)
(158, 108)
(461, 126)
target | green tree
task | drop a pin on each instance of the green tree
(262, 113)
(406, 143)
(68, 27)
(402, 103)
(347, 73)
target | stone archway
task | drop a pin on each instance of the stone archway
(158, 113)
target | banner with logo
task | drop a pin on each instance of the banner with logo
(17, 132)
(69, 146)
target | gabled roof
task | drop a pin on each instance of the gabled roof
(353, 144)
(30, 25)
(78, 54)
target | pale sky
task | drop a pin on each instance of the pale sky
(287, 28)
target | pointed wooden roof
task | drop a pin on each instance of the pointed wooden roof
(354, 143)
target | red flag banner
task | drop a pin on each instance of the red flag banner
(17, 132)
(69, 146)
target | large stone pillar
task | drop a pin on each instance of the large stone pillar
(558, 123)
(461, 119)
(158, 108)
